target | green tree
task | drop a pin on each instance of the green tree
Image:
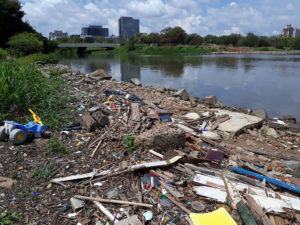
(174, 35)
(11, 20)
(210, 39)
(296, 43)
(193, 39)
(25, 44)
(251, 40)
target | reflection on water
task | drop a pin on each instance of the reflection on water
(252, 81)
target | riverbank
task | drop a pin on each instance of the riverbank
(127, 142)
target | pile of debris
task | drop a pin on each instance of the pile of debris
(152, 155)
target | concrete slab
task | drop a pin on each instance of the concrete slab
(237, 121)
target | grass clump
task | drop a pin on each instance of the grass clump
(56, 146)
(41, 173)
(7, 218)
(22, 87)
(128, 144)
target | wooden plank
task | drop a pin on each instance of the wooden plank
(279, 220)
(219, 120)
(257, 211)
(135, 112)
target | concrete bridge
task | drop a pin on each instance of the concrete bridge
(88, 45)
(81, 47)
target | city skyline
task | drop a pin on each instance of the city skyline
(262, 17)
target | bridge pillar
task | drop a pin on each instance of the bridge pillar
(81, 50)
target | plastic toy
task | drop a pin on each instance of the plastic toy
(18, 133)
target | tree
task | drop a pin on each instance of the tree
(296, 43)
(174, 35)
(25, 44)
(193, 39)
(251, 40)
(210, 39)
(11, 20)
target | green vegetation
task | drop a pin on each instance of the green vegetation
(177, 50)
(11, 22)
(38, 57)
(55, 146)
(7, 218)
(128, 144)
(3, 54)
(22, 87)
(41, 173)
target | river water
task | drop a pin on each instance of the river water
(270, 82)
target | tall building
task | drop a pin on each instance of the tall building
(94, 31)
(128, 27)
(57, 34)
(288, 31)
(296, 32)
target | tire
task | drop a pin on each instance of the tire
(18, 136)
(3, 135)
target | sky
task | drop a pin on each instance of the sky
(218, 17)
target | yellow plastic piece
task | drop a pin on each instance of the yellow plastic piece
(217, 217)
(36, 119)
(20, 136)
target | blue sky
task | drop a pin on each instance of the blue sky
(263, 17)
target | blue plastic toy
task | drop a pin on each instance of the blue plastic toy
(18, 133)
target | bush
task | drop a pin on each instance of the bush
(23, 87)
(9, 218)
(25, 44)
(3, 54)
(39, 57)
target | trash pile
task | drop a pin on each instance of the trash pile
(155, 155)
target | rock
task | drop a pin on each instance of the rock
(261, 113)
(161, 138)
(100, 118)
(136, 82)
(76, 203)
(10, 58)
(272, 132)
(100, 74)
(211, 135)
(161, 89)
(6, 182)
(289, 118)
(88, 122)
(182, 94)
(277, 144)
(211, 100)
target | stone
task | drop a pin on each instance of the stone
(161, 89)
(277, 144)
(289, 118)
(192, 116)
(135, 81)
(182, 93)
(88, 122)
(123, 165)
(261, 113)
(100, 74)
(272, 132)
(6, 182)
(211, 100)
(100, 118)
(161, 138)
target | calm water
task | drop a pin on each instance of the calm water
(250, 81)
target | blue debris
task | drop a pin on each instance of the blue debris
(268, 179)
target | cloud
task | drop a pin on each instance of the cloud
(263, 17)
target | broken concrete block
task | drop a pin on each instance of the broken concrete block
(6, 182)
(161, 138)
(100, 74)
(289, 118)
(211, 135)
(123, 165)
(100, 118)
(88, 122)
(272, 132)
(182, 94)
(211, 100)
(261, 113)
(136, 82)
(76, 203)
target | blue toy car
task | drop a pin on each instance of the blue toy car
(18, 133)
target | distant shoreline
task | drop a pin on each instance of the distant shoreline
(292, 52)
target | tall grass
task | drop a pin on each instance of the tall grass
(22, 86)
